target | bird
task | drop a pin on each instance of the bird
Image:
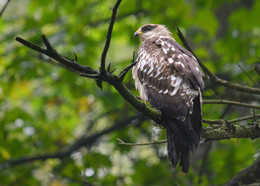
(169, 77)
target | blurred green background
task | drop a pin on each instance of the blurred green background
(45, 108)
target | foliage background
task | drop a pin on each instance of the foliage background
(44, 108)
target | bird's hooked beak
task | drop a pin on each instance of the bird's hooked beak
(138, 33)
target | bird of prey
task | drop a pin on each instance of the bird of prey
(169, 77)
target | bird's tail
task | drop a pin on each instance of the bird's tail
(182, 138)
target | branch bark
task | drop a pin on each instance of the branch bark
(229, 130)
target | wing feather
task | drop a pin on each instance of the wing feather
(167, 71)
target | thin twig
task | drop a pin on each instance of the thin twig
(243, 70)
(244, 118)
(122, 74)
(214, 78)
(54, 55)
(227, 102)
(109, 34)
(47, 43)
(223, 121)
(4, 7)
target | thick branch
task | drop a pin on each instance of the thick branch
(227, 130)
(217, 132)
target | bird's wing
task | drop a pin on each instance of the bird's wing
(168, 74)
(183, 61)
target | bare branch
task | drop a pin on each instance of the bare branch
(122, 74)
(223, 121)
(109, 34)
(227, 102)
(4, 7)
(214, 78)
(54, 55)
(249, 77)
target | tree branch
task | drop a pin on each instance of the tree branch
(109, 34)
(4, 7)
(228, 130)
(50, 52)
(217, 132)
(215, 79)
(227, 102)
(87, 71)
(224, 121)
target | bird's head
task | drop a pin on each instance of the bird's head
(152, 30)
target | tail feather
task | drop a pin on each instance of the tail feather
(182, 138)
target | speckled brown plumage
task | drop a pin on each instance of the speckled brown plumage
(169, 77)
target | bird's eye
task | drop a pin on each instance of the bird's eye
(148, 28)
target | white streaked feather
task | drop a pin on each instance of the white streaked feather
(164, 50)
(173, 77)
(166, 91)
(180, 63)
(157, 74)
(178, 82)
(174, 91)
(138, 84)
(170, 60)
(161, 78)
(150, 70)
